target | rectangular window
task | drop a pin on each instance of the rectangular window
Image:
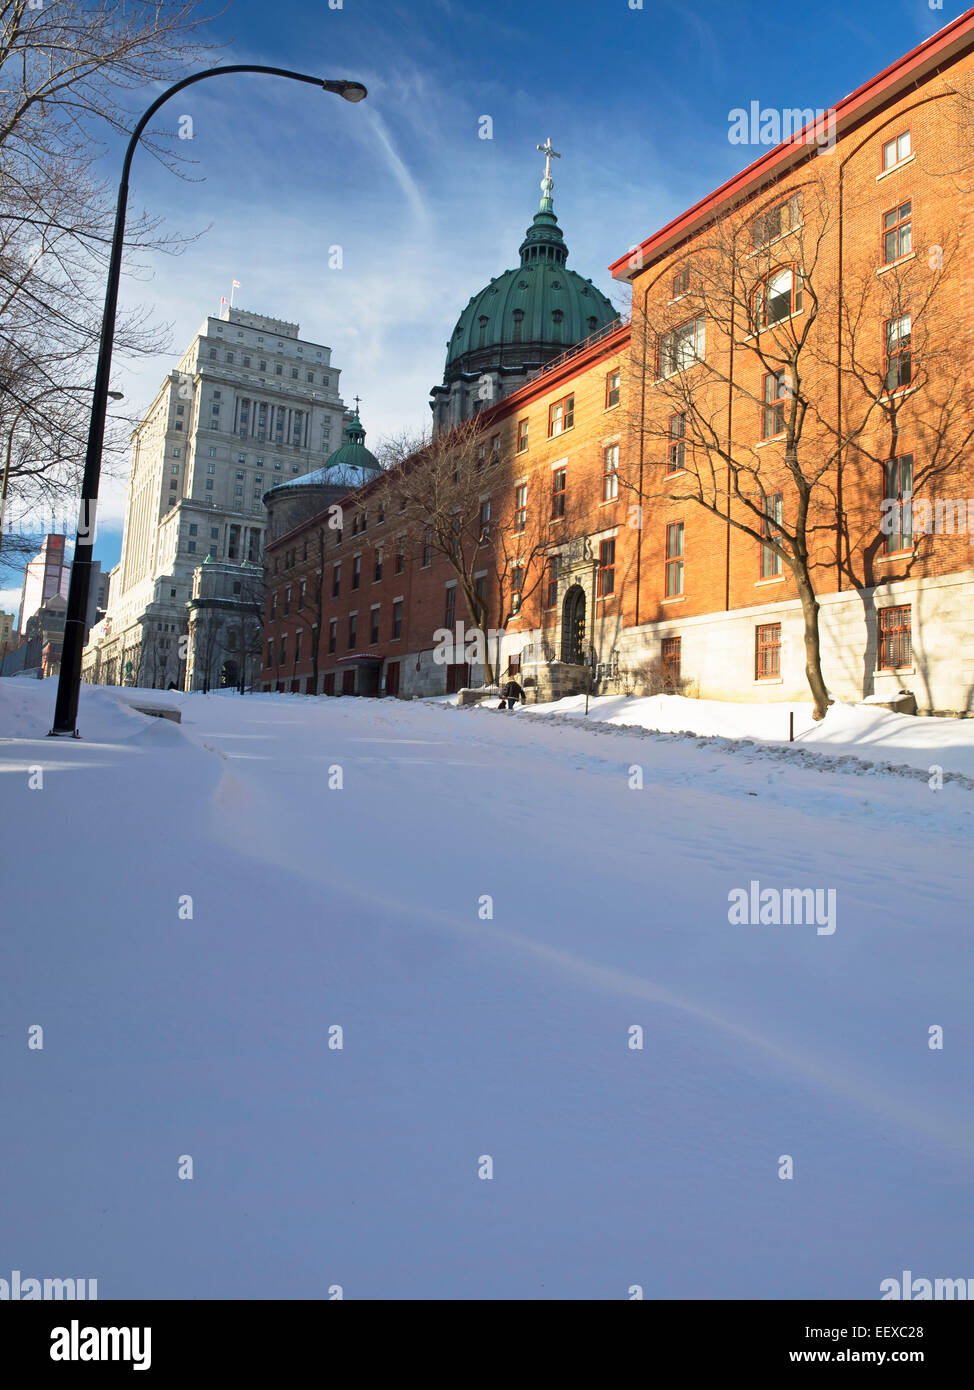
(377, 567)
(607, 568)
(775, 399)
(374, 630)
(282, 658)
(776, 221)
(270, 654)
(899, 489)
(899, 357)
(895, 638)
(522, 436)
(332, 635)
(520, 506)
(681, 282)
(193, 529)
(777, 298)
(896, 150)
(484, 521)
(681, 347)
(397, 619)
(897, 232)
(767, 652)
(559, 486)
(771, 562)
(612, 389)
(671, 655)
(561, 416)
(356, 571)
(610, 473)
(191, 547)
(400, 555)
(352, 631)
(336, 578)
(551, 596)
(517, 587)
(427, 547)
(674, 559)
(297, 644)
(287, 600)
(676, 454)
(451, 606)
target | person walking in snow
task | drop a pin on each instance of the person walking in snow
(510, 694)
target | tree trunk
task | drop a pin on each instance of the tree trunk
(813, 643)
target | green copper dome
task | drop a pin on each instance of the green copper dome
(352, 459)
(529, 315)
(351, 465)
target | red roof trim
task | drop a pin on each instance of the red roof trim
(547, 381)
(957, 35)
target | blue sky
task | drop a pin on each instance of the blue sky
(425, 211)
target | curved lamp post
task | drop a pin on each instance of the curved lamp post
(69, 680)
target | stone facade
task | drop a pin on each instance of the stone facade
(250, 403)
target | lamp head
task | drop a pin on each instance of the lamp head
(350, 91)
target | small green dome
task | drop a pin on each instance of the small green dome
(351, 465)
(528, 315)
(352, 457)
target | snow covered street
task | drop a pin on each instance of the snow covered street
(489, 907)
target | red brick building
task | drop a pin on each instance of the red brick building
(790, 408)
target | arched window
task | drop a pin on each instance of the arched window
(777, 297)
(518, 317)
(483, 329)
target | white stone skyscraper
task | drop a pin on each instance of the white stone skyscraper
(249, 404)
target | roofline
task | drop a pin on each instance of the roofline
(946, 43)
(570, 364)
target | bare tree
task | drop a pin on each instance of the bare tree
(453, 493)
(68, 69)
(311, 599)
(751, 335)
(250, 618)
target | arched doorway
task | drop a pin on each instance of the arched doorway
(573, 625)
(229, 674)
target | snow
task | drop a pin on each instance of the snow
(467, 1036)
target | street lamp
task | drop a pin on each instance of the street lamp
(69, 681)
